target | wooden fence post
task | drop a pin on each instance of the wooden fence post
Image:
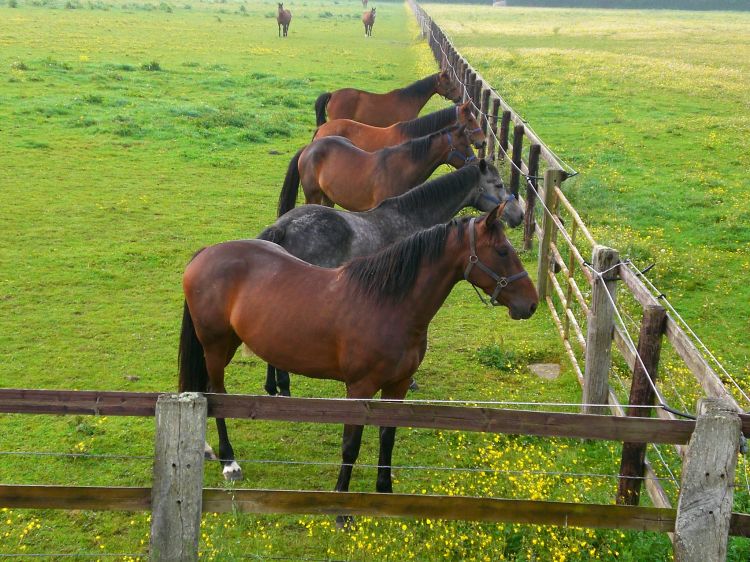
(632, 467)
(478, 95)
(600, 331)
(515, 169)
(705, 504)
(529, 221)
(467, 81)
(484, 121)
(552, 178)
(493, 129)
(504, 131)
(176, 496)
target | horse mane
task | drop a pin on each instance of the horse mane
(437, 189)
(428, 123)
(390, 274)
(420, 87)
(420, 147)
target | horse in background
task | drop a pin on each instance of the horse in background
(333, 170)
(368, 18)
(283, 18)
(384, 110)
(364, 3)
(371, 138)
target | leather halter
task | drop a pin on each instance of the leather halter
(470, 131)
(500, 282)
(458, 153)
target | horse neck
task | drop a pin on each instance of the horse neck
(423, 169)
(436, 281)
(423, 212)
(417, 100)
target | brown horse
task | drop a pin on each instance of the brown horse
(283, 18)
(371, 138)
(364, 323)
(384, 110)
(368, 18)
(333, 170)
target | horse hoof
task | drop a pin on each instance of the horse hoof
(344, 522)
(413, 385)
(232, 472)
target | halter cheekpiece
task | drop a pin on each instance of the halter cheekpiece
(500, 282)
(455, 151)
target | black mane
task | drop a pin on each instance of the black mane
(420, 147)
(390, 274)
(421, 87)
(437, 189)
(429, 123)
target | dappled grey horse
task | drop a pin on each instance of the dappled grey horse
(328, 237)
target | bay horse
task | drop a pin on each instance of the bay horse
(371, 138)
(364, 323)
(383, 110)
(328, 237)
(283, 18)
(333, 170)
(368, 18)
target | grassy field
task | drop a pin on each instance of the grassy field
(652, 109)
(134, 134)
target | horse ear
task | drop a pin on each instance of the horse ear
(494, 215)
(483, 165)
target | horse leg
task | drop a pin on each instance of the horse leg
(282, 379)
(384, 482)
(350, 445)
(216, 361)
(270, 385)
(324, 200)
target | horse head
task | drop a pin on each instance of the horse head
(447, 88)
(459, 147)
(466, 117)
(281, 6)
(490, 192)
(495, 268)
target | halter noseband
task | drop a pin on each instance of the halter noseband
(456, 152)
(501, 282)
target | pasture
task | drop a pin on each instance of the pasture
(136, 133)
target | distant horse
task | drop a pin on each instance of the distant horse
(364, 324)
(368, 18)
(364, 3)
(371, 138)
(327, 237)
(283, 18)
(384, 110)
(333, 170)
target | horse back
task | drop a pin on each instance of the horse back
(363, 136)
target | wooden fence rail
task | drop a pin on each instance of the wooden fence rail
(362, 412)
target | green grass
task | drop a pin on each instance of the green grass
(134, 134)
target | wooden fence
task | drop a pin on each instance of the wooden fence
(177, 496)
(561, 268)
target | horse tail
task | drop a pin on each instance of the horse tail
(193, 372)
(320, 108)
(288, 197)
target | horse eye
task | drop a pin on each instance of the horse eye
(503, 252)
(481, 190)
